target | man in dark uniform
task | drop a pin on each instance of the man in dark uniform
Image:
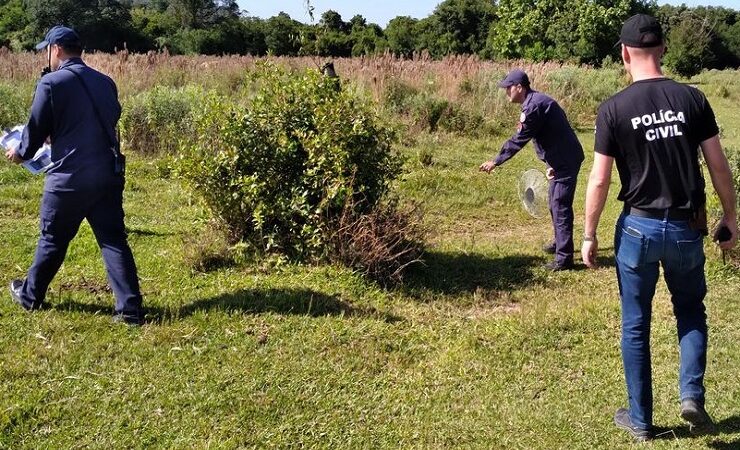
(555, 142)
(653, 129)
(85, 180)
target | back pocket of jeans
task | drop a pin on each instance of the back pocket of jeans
(632, 248)
(692, 253)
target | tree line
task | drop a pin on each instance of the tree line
(582, 31)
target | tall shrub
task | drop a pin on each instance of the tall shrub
(688, 45)
(279, 171)
(14, 106)
(580, 91)
(155, 121)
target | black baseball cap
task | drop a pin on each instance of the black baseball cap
(516, 76)
(59, 35)
(641, 31)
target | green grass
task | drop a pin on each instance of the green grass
(480, 348)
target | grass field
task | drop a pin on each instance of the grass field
(479, 348)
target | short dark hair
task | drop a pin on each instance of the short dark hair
(72, 48)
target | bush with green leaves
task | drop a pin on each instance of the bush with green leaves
(460, 120)
(426, 110)
(397, 96)
(279, 170)
(156, 121)
(15, 104)
(689, 43)
(581, 91)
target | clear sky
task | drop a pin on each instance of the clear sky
(381, 11)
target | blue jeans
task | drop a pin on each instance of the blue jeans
(640, 245)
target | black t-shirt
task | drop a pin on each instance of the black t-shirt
(653, 129)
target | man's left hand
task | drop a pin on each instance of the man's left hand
(13, 157)
(550, 173)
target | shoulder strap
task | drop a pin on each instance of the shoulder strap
(111, 136)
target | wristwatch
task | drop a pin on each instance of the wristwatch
(587, 238)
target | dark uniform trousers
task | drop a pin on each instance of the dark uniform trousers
(562, 193)
(556, 144)
(61, 216)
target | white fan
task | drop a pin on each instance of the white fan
(533, 191)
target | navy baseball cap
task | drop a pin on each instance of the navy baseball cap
(641, 31)
(514, 77)
(59, 35)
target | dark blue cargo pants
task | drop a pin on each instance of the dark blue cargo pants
(562, 194)
(61, 216)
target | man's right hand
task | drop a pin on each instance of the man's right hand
(13, 157)
(487, 166)
(721, 174)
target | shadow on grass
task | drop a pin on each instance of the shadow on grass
(284, 301)
(458, 273)
(730, 425)
(725, 445)
(250, 301)
(606, 261)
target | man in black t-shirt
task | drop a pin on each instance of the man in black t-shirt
(653, 130)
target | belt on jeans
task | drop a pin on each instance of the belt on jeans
(668, 214)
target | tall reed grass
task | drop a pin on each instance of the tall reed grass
(463, 81)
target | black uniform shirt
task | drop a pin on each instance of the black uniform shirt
(653, 129)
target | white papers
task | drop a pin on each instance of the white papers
(41, 161)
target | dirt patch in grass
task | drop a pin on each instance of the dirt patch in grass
(95, 287)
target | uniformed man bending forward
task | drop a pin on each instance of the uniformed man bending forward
(555, 142)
